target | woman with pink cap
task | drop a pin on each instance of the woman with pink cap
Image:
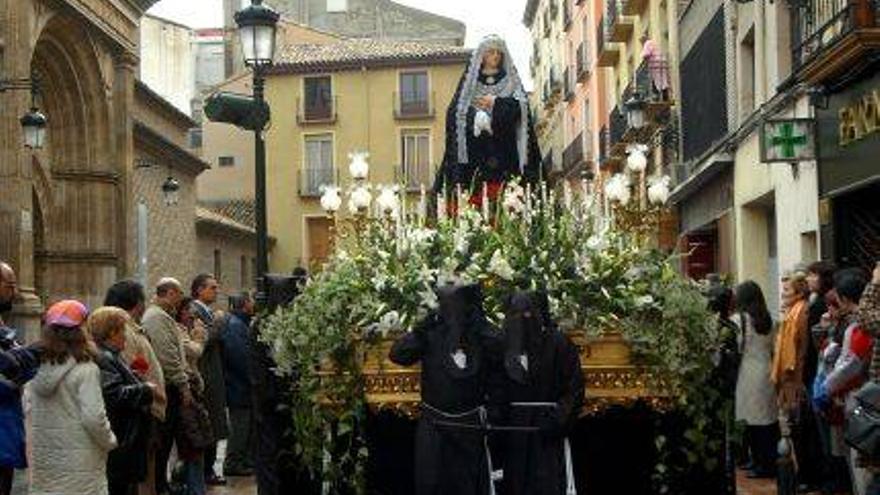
(71, 432)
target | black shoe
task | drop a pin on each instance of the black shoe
(807, 488)
(214, 480)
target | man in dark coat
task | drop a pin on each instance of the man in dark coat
(544, 390)
(204, 293)
(236, 357)
(18, 365)
(458, 351)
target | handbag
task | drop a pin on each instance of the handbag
(862, 429)
(195, 431)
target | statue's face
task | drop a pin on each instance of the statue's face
(492, 59)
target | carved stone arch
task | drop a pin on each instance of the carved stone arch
(76, 198)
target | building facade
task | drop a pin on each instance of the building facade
(582, 86)
(65, 207)
(168, 60)
(374, 19)
(162, 236)
(547, 25)
(386, 98)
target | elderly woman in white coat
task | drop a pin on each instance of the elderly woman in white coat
(755, 395)
(70, 430)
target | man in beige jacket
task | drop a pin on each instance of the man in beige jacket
(139, 355)
(161, 327)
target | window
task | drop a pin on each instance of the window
(195, 138)
(318, 170)
(414, 94)
(337, 5)
(318, 98)
(415, 151)
(747, 75)
(218, 265)
(226, 161)
(243, 268)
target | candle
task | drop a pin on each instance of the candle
(485, 204)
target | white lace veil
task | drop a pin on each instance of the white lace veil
(510, 86)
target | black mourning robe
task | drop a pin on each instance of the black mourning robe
(492, 157)
(450, 460)
(534, 462)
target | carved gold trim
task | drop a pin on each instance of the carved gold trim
(610, 379)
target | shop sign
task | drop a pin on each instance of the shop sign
(788, 140)
(859, 119)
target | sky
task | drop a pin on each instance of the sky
(482, 17)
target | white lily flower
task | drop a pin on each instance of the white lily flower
(500, 266)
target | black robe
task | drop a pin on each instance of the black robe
(534, 462)
(491, 157)
(450, 460)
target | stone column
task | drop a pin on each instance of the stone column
(125, 67)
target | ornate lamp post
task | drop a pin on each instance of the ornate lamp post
(256, 27)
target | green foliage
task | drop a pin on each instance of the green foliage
(380, 281)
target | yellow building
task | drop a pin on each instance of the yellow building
(388, 98)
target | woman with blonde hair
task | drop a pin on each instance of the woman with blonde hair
(70, 430)
(127, 398)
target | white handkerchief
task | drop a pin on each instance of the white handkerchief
(460, 359)
(482, 123)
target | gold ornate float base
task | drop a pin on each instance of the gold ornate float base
(610, 375)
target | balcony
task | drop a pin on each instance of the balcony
(573, 156)
(413, 107)
(311, 180)
(607, 52)
(569, 84)
(322, 112)
(414, 176)
(634, 7)
(583, 63)
(830, 37)
(620, 27)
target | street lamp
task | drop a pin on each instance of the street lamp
(635, 111)
(256, 27)
(33, 123)
(170, 191)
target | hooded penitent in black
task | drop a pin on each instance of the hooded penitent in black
(458, 351)
(542, 367)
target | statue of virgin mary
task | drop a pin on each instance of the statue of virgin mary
(490, 137)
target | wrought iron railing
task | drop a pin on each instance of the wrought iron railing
(566, 14)
(569, 84)
(583, 62)
(321, 111)
(413, 105)
(819, 24)
(604, 145)
(573, 156)
(613, 11)
(311, 180)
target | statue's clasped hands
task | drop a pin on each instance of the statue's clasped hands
(484, 102)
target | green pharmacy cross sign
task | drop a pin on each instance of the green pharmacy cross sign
(789, 140)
